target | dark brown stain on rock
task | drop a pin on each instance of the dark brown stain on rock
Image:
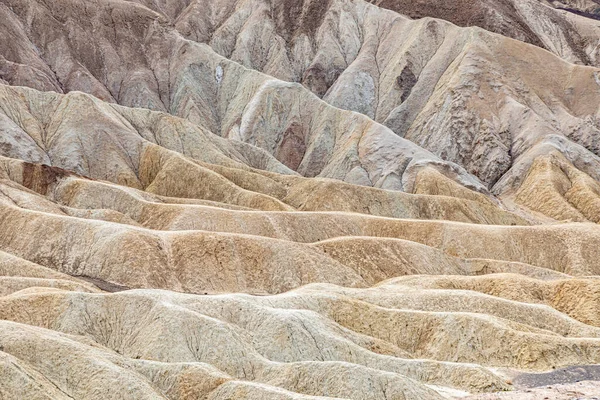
(315, 79)
(295, 17)
(481, 13)
(292, 147)
(39, 177)
(318, 80)
(406, 81)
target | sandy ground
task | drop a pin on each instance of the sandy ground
(588, 390)
(573, 383)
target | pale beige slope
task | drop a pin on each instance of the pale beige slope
(381, 257)
(86, 136)
(453, 294)
(103, 237)
(17, 274)
(577, 298)
(136, 257)
(336, 196)
(158, 213)
(319, 330)
(243, 328)
(556, 188)
(300, 194)
(140, 149)
(122, 377)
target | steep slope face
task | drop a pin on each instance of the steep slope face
(566, 192)
(140, 149)
(495, 16)
(451, 94)
(547, 24)
(454, 91)
(227, 99)
(589, 8)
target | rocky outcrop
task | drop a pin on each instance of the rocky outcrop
(454, 91)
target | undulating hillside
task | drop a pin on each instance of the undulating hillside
(299, 199)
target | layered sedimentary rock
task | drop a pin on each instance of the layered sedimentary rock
(454, 91)
(253, 199)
